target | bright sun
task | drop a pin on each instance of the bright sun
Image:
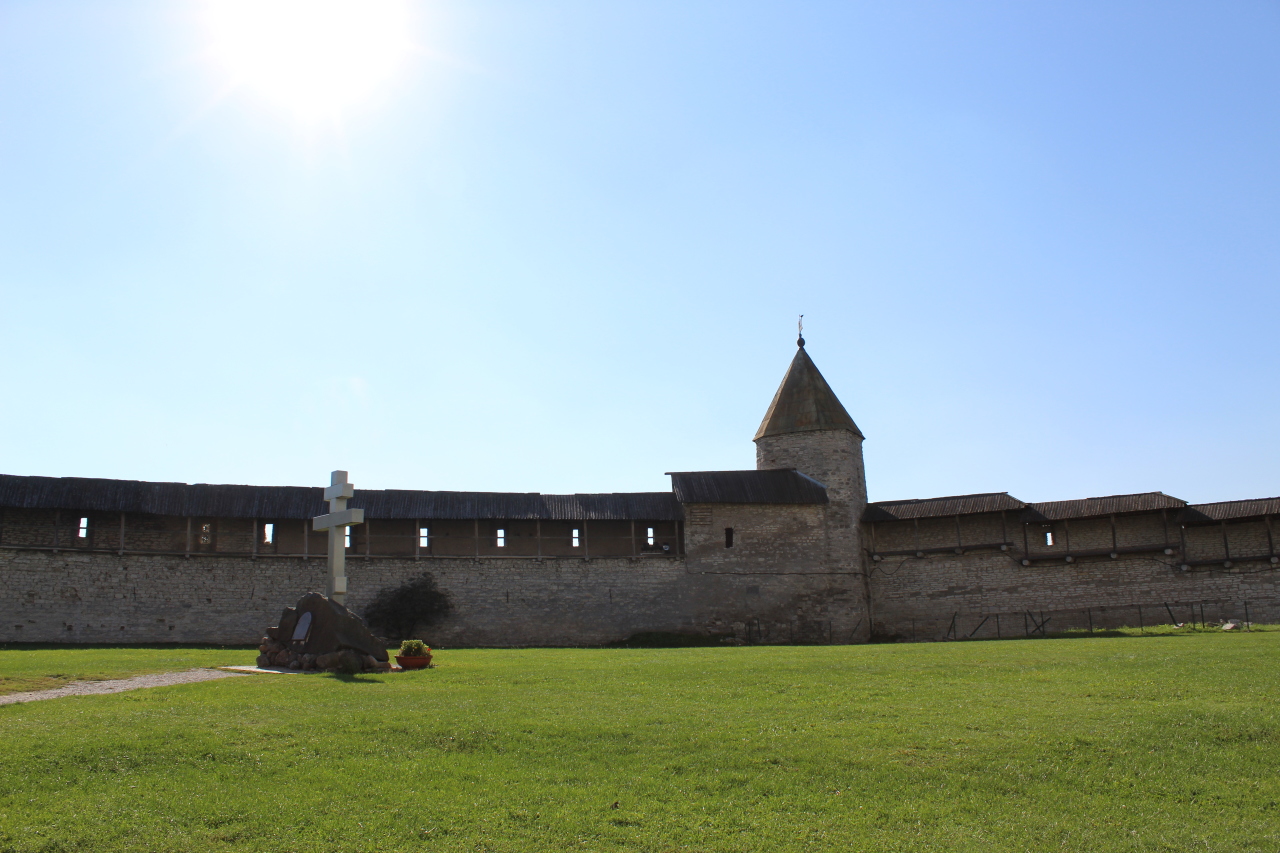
(315, 57)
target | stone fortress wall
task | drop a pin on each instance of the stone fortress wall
(83, 592)
(789, 552)
(775, 585)
(989, 574)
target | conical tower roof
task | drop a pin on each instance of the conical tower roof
(805, 402)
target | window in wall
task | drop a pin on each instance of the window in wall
(346, 539)
(424, 537)
(502, 537)
(649, 535)
(268, 534)
(206, 534)
(1048, 537)
(577, 543)
(728, 537)
(83, 531)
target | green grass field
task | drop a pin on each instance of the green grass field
(54, 666)
(1095, 744)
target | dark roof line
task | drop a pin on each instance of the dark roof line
(943, 506)
(1107, 505)
(1229, 510)
(770, 486)
(235, 501)
(1002, 501)
(946, 498)
(778, 486)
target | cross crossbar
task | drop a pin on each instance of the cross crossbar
(338, 519)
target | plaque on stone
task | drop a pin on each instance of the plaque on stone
(303, 628)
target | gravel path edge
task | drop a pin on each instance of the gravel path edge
(120, 685)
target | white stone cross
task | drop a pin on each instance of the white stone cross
(336, 522)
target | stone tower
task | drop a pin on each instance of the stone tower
(807, 428)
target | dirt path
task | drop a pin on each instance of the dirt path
(92, 688)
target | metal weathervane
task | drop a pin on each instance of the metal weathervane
(336, 522)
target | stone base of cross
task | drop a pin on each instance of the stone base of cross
(336, 521)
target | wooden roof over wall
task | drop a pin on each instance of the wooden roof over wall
(1229, 510)
(770, 486)
(1049, 511)
(233, 501)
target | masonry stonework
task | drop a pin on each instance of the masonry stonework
(834, 458)
(106, 598)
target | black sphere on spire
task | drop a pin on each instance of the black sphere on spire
(800, 341)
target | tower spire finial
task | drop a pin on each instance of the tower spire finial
(800, 325)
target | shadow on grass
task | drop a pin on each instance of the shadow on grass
(358, 678)
(668, 640)
(160, 647)
(1150, 632)
(676, 640)
(1136, 633)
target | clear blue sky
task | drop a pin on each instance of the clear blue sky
(561, 246)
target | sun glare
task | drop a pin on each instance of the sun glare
(315, 57)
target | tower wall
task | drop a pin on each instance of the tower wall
(833, 458)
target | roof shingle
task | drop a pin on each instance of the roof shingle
(233, 501)
(804, 402)
(938, 507)
(1229, 510)
(1092, 507)
(770, 486)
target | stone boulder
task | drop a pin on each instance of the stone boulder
(319, 633)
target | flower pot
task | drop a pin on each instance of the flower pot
(413, 662)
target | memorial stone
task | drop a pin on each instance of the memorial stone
(319, 633)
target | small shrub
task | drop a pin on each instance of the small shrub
(397, 611)
(414, 649)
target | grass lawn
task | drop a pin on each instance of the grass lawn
(55, 666)
(1094, 744)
